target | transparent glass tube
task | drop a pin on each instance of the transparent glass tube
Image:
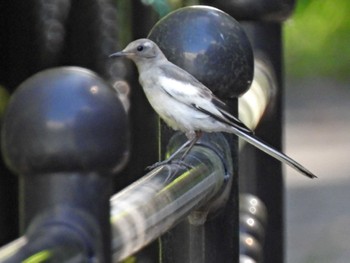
(46, 246)
(155, 203)
(62, 234)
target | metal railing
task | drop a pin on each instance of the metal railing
(156, 202)
(67, 214)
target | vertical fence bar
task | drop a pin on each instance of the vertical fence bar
(263, 175)
(210, 45)
(266, 38)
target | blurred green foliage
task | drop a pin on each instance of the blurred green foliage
(317, 39)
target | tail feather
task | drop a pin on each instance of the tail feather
(238, 128)
(252, 139)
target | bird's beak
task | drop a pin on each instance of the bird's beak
(118, 54)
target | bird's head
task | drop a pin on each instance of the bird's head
(140, 50)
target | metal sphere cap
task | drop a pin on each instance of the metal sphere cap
(64, 120)
(209, 44)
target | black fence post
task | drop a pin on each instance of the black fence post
(65, 134)
(262, 21)
(265, 180)
(212, 46)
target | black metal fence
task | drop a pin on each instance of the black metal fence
(78, 129)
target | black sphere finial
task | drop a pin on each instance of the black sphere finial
(209, 44)
(64, 120)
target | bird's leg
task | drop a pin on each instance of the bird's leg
(172, 156)
(192, 139)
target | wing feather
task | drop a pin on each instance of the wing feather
(183, 87)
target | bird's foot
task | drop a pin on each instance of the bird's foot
(165, 162)
(157, 164)
(182, 163)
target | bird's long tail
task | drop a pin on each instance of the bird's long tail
(252, 139)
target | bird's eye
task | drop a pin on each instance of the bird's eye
(139, 48)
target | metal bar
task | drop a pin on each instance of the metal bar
(12, 248)
(263, 175)
(63, 234)
(168, 194)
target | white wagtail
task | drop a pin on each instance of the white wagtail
(187, 105)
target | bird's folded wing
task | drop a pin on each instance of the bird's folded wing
(183, 87)
(228, 119)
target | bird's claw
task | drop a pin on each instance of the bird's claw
(157, 164)
(181, 163)
(178, 162)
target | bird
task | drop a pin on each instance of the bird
(187, 105)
